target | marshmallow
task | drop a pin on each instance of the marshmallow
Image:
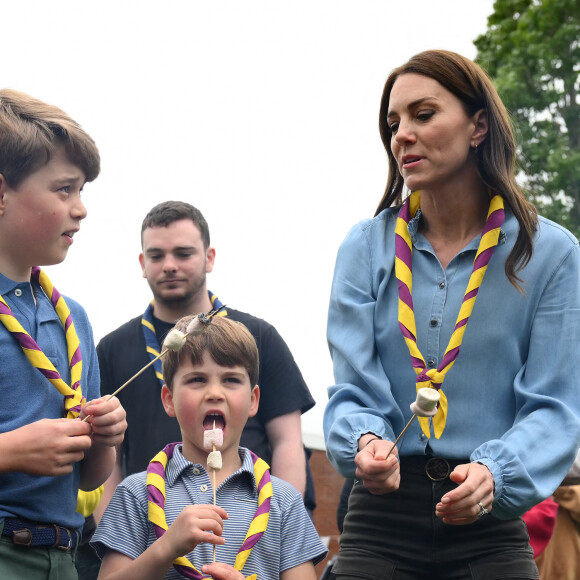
(214, 460)
(213, 438)
(426, 403)
(195, 327)
(174, 340)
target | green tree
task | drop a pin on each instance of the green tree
(532, 51)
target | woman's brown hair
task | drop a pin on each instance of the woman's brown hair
(496, 155)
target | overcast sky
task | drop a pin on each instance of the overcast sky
(263, 114)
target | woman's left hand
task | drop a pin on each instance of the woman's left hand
(474, 491)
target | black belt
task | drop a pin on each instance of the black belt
(30, 534)
(436, 468)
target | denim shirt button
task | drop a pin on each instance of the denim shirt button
(431, 363)
(441, 285)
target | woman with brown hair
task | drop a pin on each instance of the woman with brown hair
(458, 287)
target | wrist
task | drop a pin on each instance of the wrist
(6, 456)
(366, 439)
(166, 551)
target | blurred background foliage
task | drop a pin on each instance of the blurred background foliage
(532, 51)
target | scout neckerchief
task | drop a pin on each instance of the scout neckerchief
(151, 342)
(403, 271)
(73, 398)
(156, 502)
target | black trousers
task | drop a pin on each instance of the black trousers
(398, 537)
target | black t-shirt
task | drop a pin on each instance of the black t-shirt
(122, 353)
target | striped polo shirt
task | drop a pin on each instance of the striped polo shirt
(289, 540)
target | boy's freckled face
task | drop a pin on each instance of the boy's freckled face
(40, 217)
(207, 392)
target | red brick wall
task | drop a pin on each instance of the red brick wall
(328, 484)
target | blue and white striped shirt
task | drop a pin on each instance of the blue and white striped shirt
(289, 540)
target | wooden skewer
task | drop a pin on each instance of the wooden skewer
(163, 352)
(399, 437)
(214, 491)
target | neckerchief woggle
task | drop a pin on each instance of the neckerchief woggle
(403, 271)
(73, 397)
(151, 342)
(156, 510)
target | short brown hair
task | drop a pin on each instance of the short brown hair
(30, 131)
(167, 212)
(229, 343)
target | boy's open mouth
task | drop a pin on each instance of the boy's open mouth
(212, 419)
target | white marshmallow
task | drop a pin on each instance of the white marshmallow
(214, 460)
(195, 326)
(213, 438)
(174, 340)
(426, 403)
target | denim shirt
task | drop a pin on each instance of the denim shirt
(513, 393)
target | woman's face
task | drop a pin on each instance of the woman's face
(431, 134)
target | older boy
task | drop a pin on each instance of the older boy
(45, 160)
(210, 382)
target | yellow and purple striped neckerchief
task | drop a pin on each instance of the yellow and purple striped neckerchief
(156, 503)
(403, 271)
(73, 397)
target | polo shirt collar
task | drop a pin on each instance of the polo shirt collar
(178, 464)
(8, 285)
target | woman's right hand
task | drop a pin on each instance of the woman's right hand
(378, 474)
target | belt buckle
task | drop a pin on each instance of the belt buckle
(437, 469)
(56, 544)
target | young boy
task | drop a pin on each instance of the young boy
(210, 383)
(46, 451)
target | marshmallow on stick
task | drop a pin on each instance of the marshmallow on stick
(214, 460)
(174, 340)
(425, 405)
(213, 438)
(196, 326)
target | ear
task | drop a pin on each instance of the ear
(142, 262)
(167, 400)
(209, 260)
(254, 401)
(3, 189)
(480, 127)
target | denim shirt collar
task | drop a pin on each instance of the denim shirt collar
(413, 229)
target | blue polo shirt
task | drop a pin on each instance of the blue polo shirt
(513, 400)
(290, 538)
(27, 396)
